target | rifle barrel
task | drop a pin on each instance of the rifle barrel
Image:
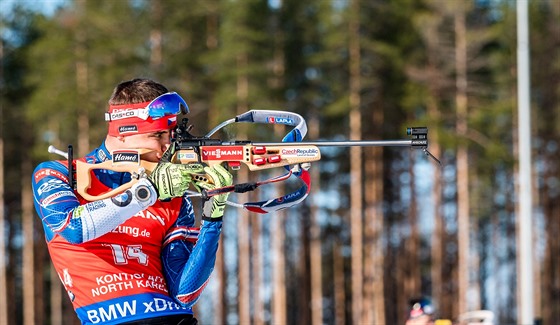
(345, 143)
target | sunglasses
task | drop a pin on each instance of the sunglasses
(167, 104)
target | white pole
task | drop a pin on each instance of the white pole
(524, 219)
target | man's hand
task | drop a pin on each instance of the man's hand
(220, 177)
(173, 180)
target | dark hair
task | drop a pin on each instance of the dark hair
(136, 91)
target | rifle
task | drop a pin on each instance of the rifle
(293, 154)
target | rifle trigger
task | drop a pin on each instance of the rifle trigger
(234, 165)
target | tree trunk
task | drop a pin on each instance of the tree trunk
(279, 303)
(439, 227)
(374, 296)
(80, 53)
(339, 285)
(257, 284)
(476, 280)
(244, 260)
(356, 208)
(551, 263)
(3, 260)
(3, 247)
(413, 243)
(156, 57)
(303, 271)
(550, 267)
(316, 259)
(462, 162)
(28, 265)
(374, 287)
(40, 257)
(278, 224)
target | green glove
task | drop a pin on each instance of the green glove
(173, 180)
(220, 177)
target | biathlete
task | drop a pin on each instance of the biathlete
(132, 258)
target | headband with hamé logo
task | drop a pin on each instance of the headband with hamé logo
(156, 115)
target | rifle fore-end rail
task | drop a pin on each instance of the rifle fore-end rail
(255, 157)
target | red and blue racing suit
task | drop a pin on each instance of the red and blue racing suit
(123, 258)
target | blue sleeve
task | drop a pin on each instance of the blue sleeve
(188, 267)
(55, 201)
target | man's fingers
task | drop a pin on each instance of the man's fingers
(226, 178)
(168, 154)
(193, 168)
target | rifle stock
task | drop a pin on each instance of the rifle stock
(123, 161)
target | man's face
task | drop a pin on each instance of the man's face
(156, 141)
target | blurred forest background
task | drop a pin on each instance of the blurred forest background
(381, 225)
